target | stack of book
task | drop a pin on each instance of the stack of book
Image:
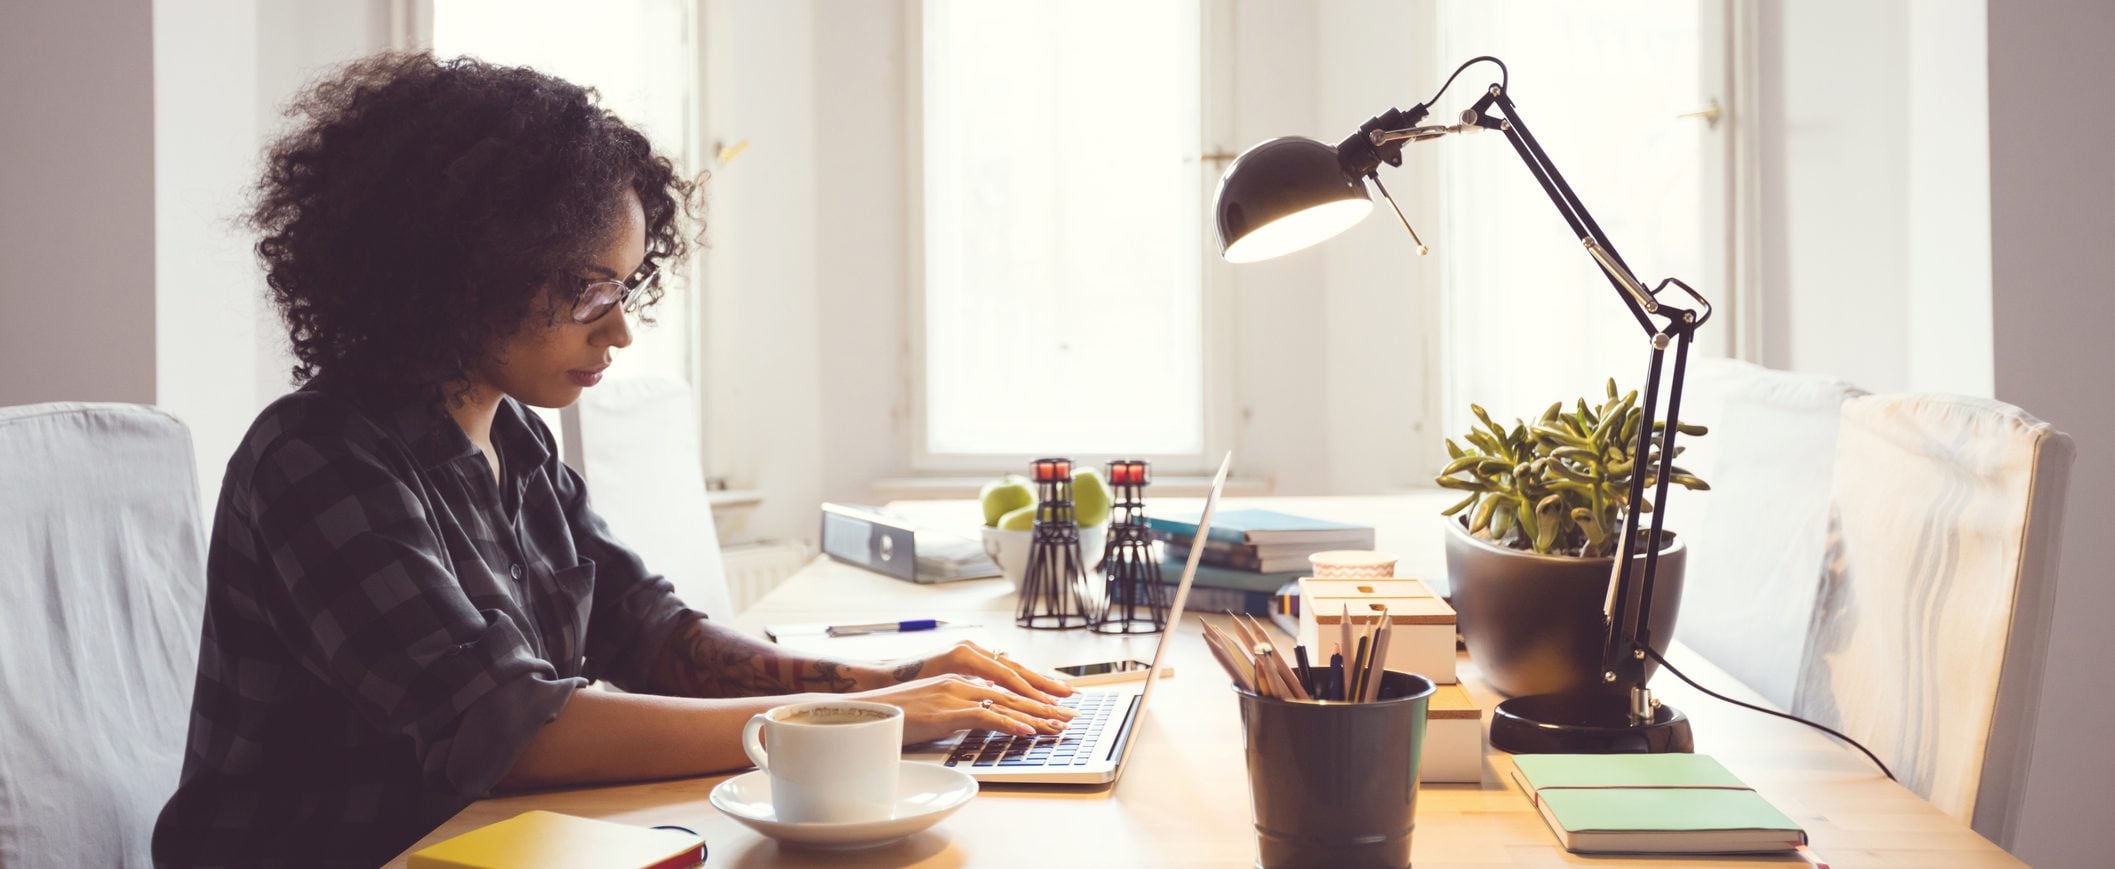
(1251, 556)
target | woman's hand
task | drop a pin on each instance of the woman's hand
(968, 659)
(936, 706)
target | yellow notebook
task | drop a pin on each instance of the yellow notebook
(549, 840)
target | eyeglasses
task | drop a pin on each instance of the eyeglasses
(596, 299)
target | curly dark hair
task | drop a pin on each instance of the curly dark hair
(419, 208)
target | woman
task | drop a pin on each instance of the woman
(407, 590)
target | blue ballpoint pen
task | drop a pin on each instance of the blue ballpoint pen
(884, 627)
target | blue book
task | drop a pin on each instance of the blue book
(1222, 600)
(1231, 578)
(1267, 527)
(1205, 599)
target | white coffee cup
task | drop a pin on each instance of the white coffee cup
(830, 761)
(1352, 564)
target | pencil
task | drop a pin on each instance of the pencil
(1335, 688)
(1344, 628)
(1233, 670)
(1277, 658)
(1380, 658)
(1255, 627)
(1285, 673)
(1355, 684)
(1281, 677)
(1234, 651)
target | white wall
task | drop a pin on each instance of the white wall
(77, 233)
(1834, 194)
(127, 274)
(1874, 195)
(764, 368)
(1947, 164)
(2053, 270)
(223, 72)
(206, 284)
(861, 195)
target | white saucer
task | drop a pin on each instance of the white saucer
(925, 793)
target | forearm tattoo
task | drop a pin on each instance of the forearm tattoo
(703, 659)
(909, 670)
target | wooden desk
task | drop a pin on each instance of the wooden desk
(1184, 798)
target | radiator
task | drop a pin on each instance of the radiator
(754, 569)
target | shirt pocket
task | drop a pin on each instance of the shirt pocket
(572, 601)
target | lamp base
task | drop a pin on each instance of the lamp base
(1585, 724)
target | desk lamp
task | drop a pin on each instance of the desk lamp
(1292, 192)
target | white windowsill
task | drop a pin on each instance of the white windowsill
(943, 487)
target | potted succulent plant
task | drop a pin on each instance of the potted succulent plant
(1531, 548)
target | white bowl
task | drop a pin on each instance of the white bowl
(1009, 549)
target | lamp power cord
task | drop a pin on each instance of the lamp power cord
(1830, 731)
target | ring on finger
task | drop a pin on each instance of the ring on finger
(984, 703)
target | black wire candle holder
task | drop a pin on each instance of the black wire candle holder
(1053, 591)
(1136, 599)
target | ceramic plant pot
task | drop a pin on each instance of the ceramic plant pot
(1533, 622)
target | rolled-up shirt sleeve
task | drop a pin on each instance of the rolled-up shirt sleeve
(367, 601)
(635, 610)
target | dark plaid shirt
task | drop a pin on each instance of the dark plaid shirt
(385, 629)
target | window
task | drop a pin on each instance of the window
(1529, 319)
(637, 55)
(1062, 303)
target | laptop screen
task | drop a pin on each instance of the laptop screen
(1182, 591)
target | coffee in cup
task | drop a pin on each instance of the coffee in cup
(830, 761)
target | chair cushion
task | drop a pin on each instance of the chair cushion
(1930, 550)
(1755, 539)
(645, 476)
(103, 588)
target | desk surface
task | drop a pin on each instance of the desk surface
(1184, 798)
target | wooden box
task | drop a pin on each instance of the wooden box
(1423, 642)
(1453, 737)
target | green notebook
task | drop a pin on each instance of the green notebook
(1651, 804)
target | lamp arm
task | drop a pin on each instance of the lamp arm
(1627, 608)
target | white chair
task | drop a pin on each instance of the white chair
(102, 585)
(637, 446)
(1931, 625)
(1755, 539)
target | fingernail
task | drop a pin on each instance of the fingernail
(1024, 730)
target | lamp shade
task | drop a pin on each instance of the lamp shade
(1283, 195)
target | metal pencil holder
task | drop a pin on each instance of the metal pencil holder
(1136, 599)
(1053, 591)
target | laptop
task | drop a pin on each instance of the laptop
(1092, 750)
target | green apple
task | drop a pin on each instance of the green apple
(1021, 519)
(1005, 495)
(1091, 500)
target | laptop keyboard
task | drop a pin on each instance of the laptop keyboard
(1068, 748)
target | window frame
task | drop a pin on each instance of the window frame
(1217, 408)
